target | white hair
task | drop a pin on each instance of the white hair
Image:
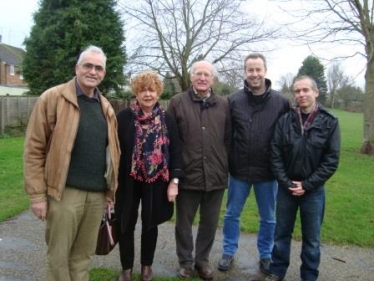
(214, 70)
(92, 49)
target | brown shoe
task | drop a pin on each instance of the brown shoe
(204, 272)
(125, 275)
(147, 273)
(185, 273)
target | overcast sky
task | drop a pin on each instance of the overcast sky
(16, 21)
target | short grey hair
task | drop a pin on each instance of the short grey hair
(214, 70)
(307, 77)
(92, 49)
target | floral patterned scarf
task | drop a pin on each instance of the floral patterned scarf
(150, 155)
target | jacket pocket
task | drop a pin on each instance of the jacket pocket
(318, 137)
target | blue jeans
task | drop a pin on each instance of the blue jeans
(238, 192)
(312, 206)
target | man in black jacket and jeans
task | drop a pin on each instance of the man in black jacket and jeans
(305, 154)
(254, 112)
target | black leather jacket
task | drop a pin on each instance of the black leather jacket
(311, 157)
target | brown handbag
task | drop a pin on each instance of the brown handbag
(107, 238)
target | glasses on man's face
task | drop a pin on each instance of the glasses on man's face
(90, 66)
(202, 74)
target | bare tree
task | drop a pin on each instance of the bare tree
(335, 80)
(285, 83)
(348, 23)
(232, 73)
(169, 35)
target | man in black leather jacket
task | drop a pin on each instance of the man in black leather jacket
(304, 155)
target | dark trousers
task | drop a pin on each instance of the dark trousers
(311, 206)
(188, 201)
(148, 236)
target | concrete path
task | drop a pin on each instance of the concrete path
(22, 256)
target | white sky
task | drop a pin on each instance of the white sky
(16, 21)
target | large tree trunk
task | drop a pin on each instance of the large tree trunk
(367, 145)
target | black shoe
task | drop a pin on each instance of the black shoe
(204, 272)
(225, 263)
(146, 273)
(185, 273)
(125, 275)
(265, 266)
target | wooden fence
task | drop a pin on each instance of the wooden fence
(15, 111)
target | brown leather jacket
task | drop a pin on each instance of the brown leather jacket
(50, 137)
(205, 131)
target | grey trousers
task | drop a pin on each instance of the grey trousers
(187, 204)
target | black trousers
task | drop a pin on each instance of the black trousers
(148, 236)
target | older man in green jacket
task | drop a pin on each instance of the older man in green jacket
(205, 129)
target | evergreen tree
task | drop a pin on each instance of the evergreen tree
(62, 30)
(312, 67)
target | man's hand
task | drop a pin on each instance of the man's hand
(297, 188)
(40, 210)
(172, 191)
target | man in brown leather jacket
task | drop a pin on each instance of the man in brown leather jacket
(70, 166)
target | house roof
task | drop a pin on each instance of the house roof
(10, 54)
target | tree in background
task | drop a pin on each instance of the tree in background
(351, 97)
(348, 23)
(286, 85)
(169, 87)
(223, 89)
(336, 80)
(171, 35)
(232, 73)
(61, 31)
(312, 67)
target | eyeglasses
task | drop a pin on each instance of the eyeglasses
(90, 66)
(202, 74)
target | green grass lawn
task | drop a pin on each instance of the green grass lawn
(349, 215)
(12, 196)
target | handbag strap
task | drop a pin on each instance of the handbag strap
(108, 215)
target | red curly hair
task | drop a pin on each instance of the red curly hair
(147, 80)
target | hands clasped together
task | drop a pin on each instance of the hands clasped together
(297, 188)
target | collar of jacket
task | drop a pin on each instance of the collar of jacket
(212, 99)
(70, 93)
(318, 119)
(250, 94)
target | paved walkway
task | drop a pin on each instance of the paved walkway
(22, 256)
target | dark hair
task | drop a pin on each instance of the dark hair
(255, 56)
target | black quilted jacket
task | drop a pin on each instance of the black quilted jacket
(253, 123)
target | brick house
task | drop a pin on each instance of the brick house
(10, 66)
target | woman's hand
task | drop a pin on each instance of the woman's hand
(172, 191)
